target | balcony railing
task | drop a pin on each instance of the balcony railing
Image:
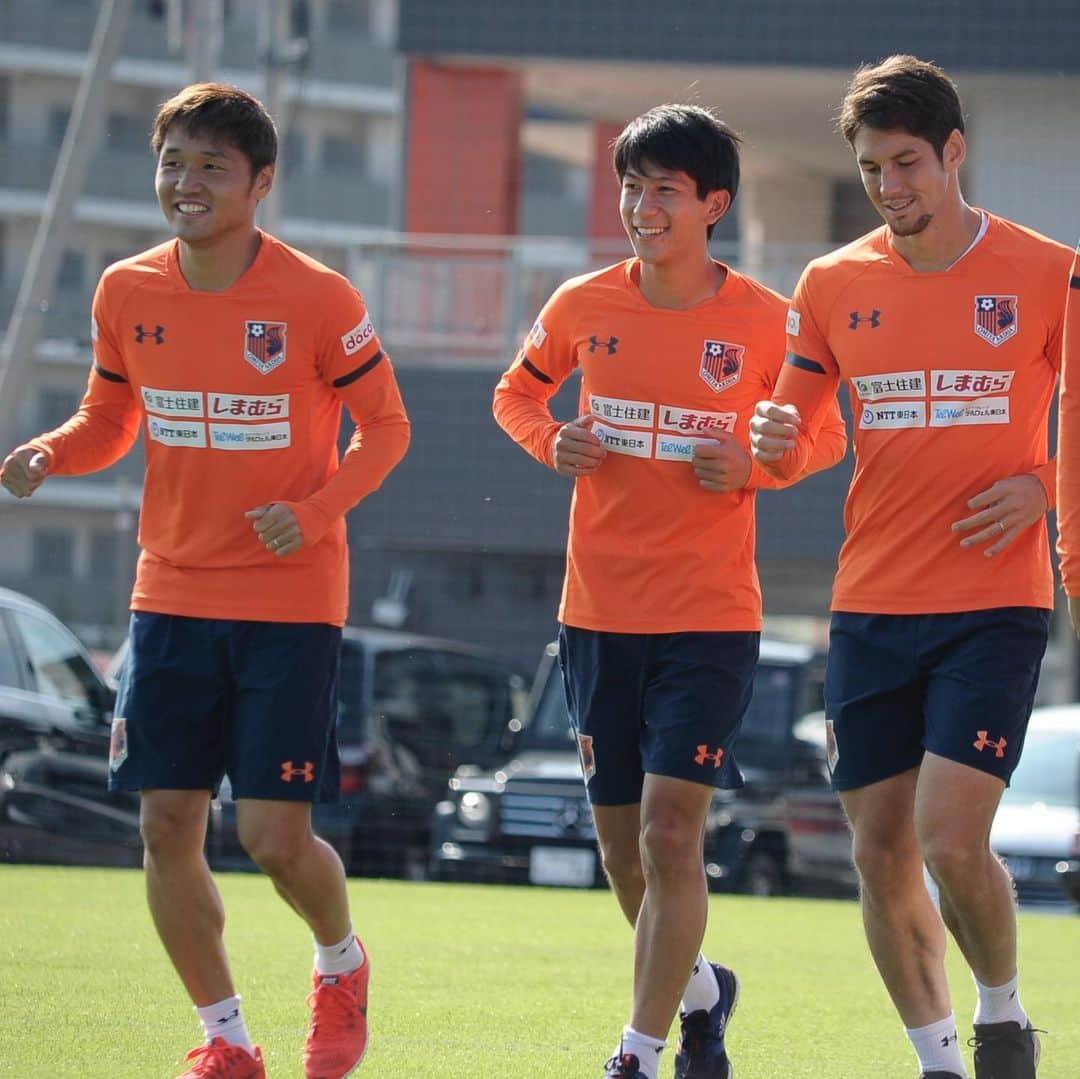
(343, 56)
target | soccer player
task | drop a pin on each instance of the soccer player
(946, 324)
(1069, 449)
(234, 354)
(661, 609)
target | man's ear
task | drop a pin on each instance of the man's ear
(954, 152)
(717, 203)
(264, 180)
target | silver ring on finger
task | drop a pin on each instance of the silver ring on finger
(1001, 525)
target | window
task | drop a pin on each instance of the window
(344, 153)
(126, 132)
(55, 406)
(70, 274)
(58, 122)
(103, 555)
(58, 665)
(54, 553)
(9, 664)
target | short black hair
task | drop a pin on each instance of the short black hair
(223, 112)
(903, 93)
(684, 138)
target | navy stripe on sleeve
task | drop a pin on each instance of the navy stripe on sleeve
(803, 364)
(1075, 282)
(362, 370)
(109, 376)
(535, 371)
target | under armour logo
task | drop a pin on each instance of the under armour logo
(609, 344)
(874, 318)
(948, 1039)
(157, 333)
(704, 755)
(982, 742)
(230, 1017)
(307, 773)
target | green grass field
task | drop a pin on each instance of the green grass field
(470, 982)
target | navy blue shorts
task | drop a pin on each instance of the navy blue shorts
(204, 697)
(666, 704)
(957, 685)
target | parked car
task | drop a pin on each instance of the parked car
(1037, 827)
(529, 821)
(55, 715)
(411, 709)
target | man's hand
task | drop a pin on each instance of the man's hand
(24, 471)
(1074, 613)
(277, 527)
(773, 429)
(1005, 510)
(721, 464)
(577, 451)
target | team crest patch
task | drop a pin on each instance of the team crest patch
(118, 743)
(995, 318)
(588, 759)
(264, 345)
(832, 750)
(721, 365)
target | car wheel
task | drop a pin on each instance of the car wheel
(763, 874)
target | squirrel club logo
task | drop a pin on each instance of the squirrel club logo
(721, 364)
(264, 345)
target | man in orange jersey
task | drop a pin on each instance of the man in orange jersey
(661, 609)
(235, 354)
(1069, 449)
(946, 324)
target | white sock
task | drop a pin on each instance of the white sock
(646, 1049)
(224, 1020)
(1000, 1003)
(339, 958)
(701, 993)
(938, 1046)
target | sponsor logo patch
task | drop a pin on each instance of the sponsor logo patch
(696, 421)
(970, 383)
(537, 335)
(890, 384)
(721, 365)
(586, 755)
(630, 443)
(118, 743)
(793, 320)
(173, 402)
(628, 413)
(677, 447)
(93, 329)
(892, 414)
(359, 336)
(264, 345)
(832, 750)
(176, 432)
(248, 406)
(996, 318)
(955, 413)
(250, 436)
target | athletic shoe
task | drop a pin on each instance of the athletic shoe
(220, 1060)
(1005, 1051)
(701, 1053)
(337, 1037)
(624, 1066)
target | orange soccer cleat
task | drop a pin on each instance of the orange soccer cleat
(220, 1060)
(338, 1034)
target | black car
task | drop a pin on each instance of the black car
(411, 709)
(528, 820)
(55, 715)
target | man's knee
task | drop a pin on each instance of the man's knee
(173, 825)
(885, 863)
(671, 845)
(957, 863)
(622, 861)
(272, 847)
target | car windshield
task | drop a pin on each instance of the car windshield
(1049, 770)
(764, 731)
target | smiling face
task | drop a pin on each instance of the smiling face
(663, 214)
(206, 189)
(909, 185)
